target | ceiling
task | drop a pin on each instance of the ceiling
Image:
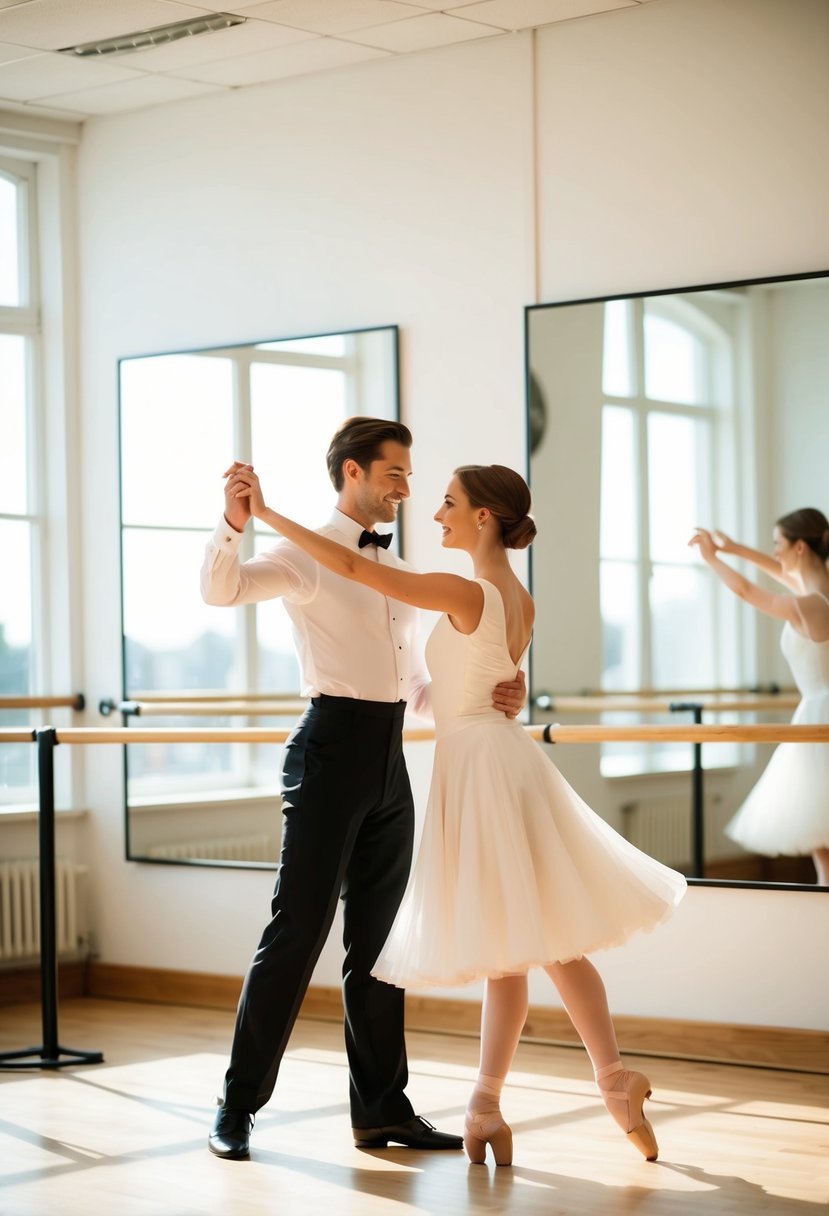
(279, 38)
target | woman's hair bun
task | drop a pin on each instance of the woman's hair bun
(506, 494)
(519, 534)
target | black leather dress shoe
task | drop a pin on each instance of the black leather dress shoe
(230, 1134)
(414, 1133)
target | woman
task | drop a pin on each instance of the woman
(514, 870)
(788, 809)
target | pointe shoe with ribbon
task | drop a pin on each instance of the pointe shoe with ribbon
(482, 1128)
(624, 1096)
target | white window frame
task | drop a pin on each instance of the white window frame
(42, 156)
(24, 320)
(719, 494)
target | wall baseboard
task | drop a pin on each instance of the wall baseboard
(159, 987)
(759, 1046)
(21, 985)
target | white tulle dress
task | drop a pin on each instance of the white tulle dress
(788, 810)
(514, 869)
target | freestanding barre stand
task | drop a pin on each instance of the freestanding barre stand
(50, 1054)
(697, 793)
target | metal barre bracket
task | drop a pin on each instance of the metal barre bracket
(128, 708)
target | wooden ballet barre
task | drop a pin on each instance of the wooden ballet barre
(13, 702)
(593, 733)
(771, 689)
(663, 705)
(170, 734)
(755, 733)
(18, 736)
(214, 709)
(185, 695)
(194, 734)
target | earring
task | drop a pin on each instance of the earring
(480, 525)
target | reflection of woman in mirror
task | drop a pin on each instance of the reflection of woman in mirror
(514, 870)
(788, 810)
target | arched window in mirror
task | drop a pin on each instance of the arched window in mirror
(668, 418)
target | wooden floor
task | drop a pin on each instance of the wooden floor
(129, 1136)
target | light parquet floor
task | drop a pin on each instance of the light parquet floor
(128, 1137)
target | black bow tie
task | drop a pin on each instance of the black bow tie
(374, 538)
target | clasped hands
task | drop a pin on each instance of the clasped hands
(243, 495)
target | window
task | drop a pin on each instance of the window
(667, 420)
(282, 402)
(21, 512)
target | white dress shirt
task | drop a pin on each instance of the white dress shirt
(351, 641)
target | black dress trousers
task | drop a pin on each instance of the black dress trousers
(348, 831)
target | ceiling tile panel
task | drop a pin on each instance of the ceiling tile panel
(36, 109)
(9, 53)
(240, 6)
(311, 55)
(44, 75)
(333, 16)
(522, 14)
(130, 95)
(441, 6)
(419, 33)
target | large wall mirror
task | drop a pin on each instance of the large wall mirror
(183, 418)
(648, 415)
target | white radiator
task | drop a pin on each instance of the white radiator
(258, 847)
(20, 908)
(663, 827)
(660, 827)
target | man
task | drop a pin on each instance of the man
(347, 804)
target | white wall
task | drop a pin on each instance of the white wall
(677, 145)
(800, 362)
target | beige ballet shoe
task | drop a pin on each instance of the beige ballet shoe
(625, 1100)
(482, 1128)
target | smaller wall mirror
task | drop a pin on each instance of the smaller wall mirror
(183, 418)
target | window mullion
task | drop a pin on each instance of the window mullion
(716, 592)
(243, 428)
(645, 565)
(39, 506)
(643, 496)
(247, 665)
(22, 321)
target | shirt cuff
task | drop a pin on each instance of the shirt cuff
(226, 538)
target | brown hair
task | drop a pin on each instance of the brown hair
(360, 439)
(506, 494)
(807, 524)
